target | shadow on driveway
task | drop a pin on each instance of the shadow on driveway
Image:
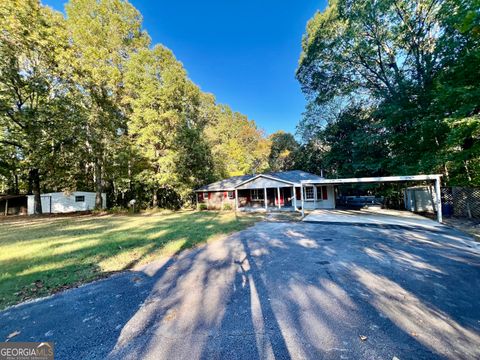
(277, 290)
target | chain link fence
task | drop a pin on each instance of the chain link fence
(461, 202)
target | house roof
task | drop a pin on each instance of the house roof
(293, 176)
(226, 184)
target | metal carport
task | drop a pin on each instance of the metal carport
(381, 179)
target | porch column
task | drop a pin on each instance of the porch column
(303, 202)
(6, 207)
(265, 198)
(294, 200)
(278, 193)
(439, 199)
(314, 196)
(236, 199)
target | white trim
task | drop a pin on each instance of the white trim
(264, 176)
(313, 192)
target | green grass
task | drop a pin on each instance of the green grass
(39, 256)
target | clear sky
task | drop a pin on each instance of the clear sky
(244, 51)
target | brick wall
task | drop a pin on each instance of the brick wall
(216, 200)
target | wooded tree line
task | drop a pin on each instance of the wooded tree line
(87, 102)
(393, 88)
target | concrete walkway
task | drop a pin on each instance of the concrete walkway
(277, 290)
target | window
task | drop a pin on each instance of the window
(309, 193)
(205, 196)
(231, 195)
(257, 194)
(80, 198)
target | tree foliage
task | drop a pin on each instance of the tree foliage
(282, 151)
(405, 70)
(238, 146)
(38, 113)
(86, 103)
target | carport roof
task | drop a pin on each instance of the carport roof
(373, 179)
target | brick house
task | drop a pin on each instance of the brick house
(266, 192)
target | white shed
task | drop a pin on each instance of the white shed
(420, 199)
(60, 202)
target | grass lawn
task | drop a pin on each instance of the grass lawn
(39, 256)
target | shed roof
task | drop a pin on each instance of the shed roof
(293, 176)
(8, 197)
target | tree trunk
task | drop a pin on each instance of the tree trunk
(34, 180)
(98, 185)
(155, 199)
(30, 184)
(16, 190)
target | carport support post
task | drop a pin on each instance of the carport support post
(439, 199)
(294, 200)
(6, 207)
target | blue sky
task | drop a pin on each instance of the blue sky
(245, 51)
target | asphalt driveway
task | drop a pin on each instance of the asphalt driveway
(277, 290)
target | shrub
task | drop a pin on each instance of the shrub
(118, 210)
(227, 207)
(202, 207)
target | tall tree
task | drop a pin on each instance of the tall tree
(237, 143)
(282, 151)
(165, 122)
(388, 57)
(457, 90)
(85, 103)
(105, 34)
(37, 112)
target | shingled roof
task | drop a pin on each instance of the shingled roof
(293, 176)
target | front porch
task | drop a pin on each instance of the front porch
(266, 199)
